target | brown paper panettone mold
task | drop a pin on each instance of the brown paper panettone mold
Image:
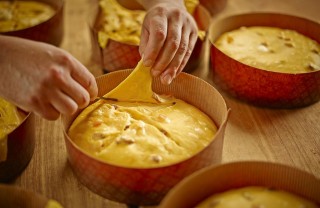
(149, 185)
(20, 148)
(219, 178)
(257, 86)
(117, 55)
(50, 31)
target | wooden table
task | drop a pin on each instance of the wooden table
(290, 137)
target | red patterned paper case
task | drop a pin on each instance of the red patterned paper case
(149, 185)
(219, 178)
(50, 31)
(119, 55)
(123, 56)
(257, 86)
(20, 147)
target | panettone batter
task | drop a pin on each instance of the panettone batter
(142, 135)
(256, 197)
(272, 49)
(10, 119)
(135, 127)
(17, 15)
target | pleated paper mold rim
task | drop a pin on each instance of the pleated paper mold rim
(219, 178)
(20, 148)
(257, 86)
(148, 186)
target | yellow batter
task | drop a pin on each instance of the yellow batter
(271, 49)
(53, 204)
(142, 135)
(17, 15)
(124, 25)
(10, 118)
(256, 197)
(135, 127)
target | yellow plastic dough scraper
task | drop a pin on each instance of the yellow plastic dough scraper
(137, 87)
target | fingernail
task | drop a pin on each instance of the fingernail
(147, 63)
(167, 79)
(155, 73)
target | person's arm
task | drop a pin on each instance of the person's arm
(168, 36)
(41, 78)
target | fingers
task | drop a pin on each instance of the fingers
(78, 82)
(51, 81)
(69, 86)
(43, 108)
(63, 103)
(157, 29)
(144, 41)
(82, 75)
(178, 59)
(62, 95)
(62, 80)
(78, 72)
(168, 53)
(188, 51)
(175, 54)
(167, 45)
(70, 90)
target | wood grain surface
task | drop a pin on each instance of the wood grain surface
(289, 137)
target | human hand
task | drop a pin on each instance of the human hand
(41, 78)
(168, 36)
